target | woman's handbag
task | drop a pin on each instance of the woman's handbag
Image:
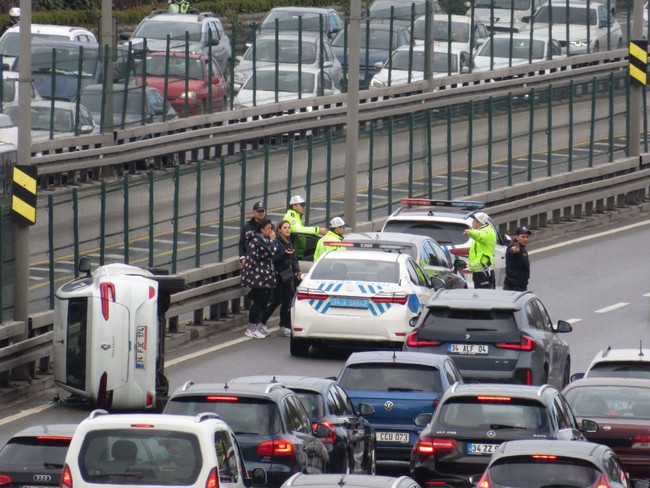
(287, 275)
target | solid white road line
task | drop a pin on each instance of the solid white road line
(611, 307)
(26, 413)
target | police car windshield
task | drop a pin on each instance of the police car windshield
(445, 233)
(356, 270)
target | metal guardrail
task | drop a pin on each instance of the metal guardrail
(217, 287)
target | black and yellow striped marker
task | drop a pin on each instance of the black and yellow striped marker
(639, 62)
(23, 198)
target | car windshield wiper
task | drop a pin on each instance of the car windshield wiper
(478, 329)
(131, 474)
(506, 426)
(53, 465)
(399, 388)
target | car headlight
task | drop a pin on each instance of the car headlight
(190, 95)
(376, 83)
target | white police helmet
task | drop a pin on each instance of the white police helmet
(14, 12)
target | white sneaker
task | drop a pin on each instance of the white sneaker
(253, 333)
(285, 332)
(263, 330)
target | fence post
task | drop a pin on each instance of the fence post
(152, 221)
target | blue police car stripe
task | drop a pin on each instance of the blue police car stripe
(413, 303)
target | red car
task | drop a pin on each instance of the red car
(190, 89)
(621, 407)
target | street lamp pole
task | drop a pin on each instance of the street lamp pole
(352, 121)
(636, 91)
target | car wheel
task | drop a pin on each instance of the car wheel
(298, 347)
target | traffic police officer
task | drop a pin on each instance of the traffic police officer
(297, 206)
(335, 234)
(481, 251)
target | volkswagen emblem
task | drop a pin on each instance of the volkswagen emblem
(389, 405)
(491, 433)
(467, 336)
(42, 477)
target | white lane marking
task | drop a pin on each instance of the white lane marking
(647, 295)
(574, 321)
(611, 307)
(586, 238)
(25, 413)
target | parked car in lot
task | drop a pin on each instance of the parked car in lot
(506, 50)
(403, 389)
(351, 441)
(542, 463)
(61, 122)
(361, 298)
(618, 363)
(621, 406)
(290, 44)
(472, 420)
(194, 84)
(198, 33)
(432, 258)
(406, 65)
(10, 40)
(375, 45)
(503, 15)
(143, 450)
(307, 19)
(269, 420)
(401, 12)
(445, 221)
(579, 27)
(459, 31)
(34, 456)
(300, 480)
(495, 336)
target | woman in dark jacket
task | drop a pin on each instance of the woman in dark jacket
(287, 271)
(258, 274)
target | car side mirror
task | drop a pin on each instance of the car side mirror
(589, 426)
(366, 409)
(562, 326)
(379, 65)
(526, 19)
(322, 431)
(459, 264)
(423, 419)
(414, 321)
(215, 80)
(125, 36)
(475, 478)
(86, 129)
(576, 376)
(253, 25)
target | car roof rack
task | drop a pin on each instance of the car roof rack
(200, 417)
(273, 386)
(97, 412)
(186, 385)
(541, 389)
(204, 15)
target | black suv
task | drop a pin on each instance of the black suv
(471, 422)
(269, 420)
(494, 336)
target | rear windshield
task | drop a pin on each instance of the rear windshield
(391, 377)
(356, 270)
(445, 233)
(633, 369)
(243, 415)
(472, 413)
(527, 472)
(450, 320)
(312, 401)
(140, 457)
(610, 401)
(32, 451)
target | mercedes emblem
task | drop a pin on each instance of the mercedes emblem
(491, 433)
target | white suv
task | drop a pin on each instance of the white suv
(150, 449)
(444, 221)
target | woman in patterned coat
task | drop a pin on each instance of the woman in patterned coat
(259, 275)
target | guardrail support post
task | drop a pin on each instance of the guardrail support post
(589, 209)
(577, 211)
(557, 217)
(611, 203)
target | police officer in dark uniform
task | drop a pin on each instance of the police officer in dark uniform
(517, 262)
(14, 17)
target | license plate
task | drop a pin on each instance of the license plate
(141, 347)
(348, 302)
(399, 437)
(470, 349)
(477, 448)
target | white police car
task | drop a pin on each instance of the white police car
(357, 298)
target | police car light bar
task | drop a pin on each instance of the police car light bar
(370, 245)
(443, 203)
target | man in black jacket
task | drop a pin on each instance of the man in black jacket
(517, 263)
(259, 212)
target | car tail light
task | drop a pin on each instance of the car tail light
(311, 295)
(641, 439)
(275, 448)
(107, 293)
(213, 479)
(428, 446)
(492, 398)
(53, 438)
(529, 377)
(526, 344)
(544, 457)
(436, 402)
(6, 480)
(484, 482)
(66, 477)
(331, 437)
(413, 341)
(602, 482)
(399, 298)
(104, 397)
(149, 400)
(222, 398)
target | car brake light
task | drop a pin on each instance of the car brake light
(602, 482)
(484, 398)
(107, 293)
(331, 437)
(427, 446)
(53, 438)
(149, 399)
(413, 341)
(529, 377)
(526, 344)
(544, 457)
(436, 402)
(222, 398)
(484, 482)
(640, 439)
(275, 448)
(311, 295)
(142, 426)
(5, 480)
(152, 292)
(399, 298)
(66, 478)
(213, 479)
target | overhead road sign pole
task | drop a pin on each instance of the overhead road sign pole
(638, 57)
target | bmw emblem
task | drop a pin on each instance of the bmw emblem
(491, 433)
(388, 406)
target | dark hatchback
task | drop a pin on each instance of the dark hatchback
(35, 456)
(270, 422)
(494, 336)
(403, 389)
(621, 406)
(472, 420)
(543, 463)
(351, 440)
